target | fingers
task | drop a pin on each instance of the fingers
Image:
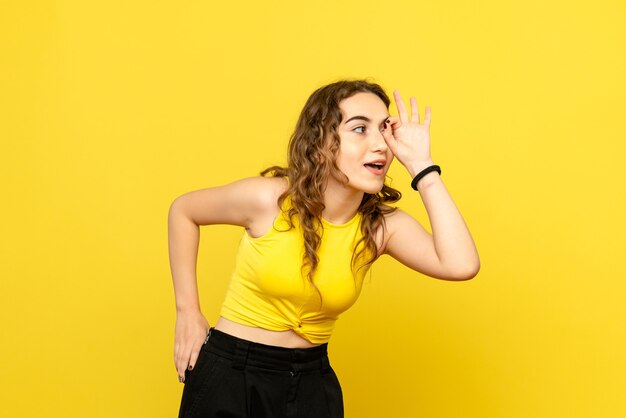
(190, 333)
(185, 360)
(427, 116)
(388, 136)
(394, 122)
(415, 114)
(404, 117)
(180, 363)
(194, 356)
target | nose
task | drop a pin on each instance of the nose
(379, 143)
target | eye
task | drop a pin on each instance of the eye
(359, 127)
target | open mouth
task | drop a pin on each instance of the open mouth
(376, 168)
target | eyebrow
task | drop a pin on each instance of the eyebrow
(365, 118)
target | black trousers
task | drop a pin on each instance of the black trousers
(237, 378)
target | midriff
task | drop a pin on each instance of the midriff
(288, 339)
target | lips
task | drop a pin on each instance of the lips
(377, 167)
(377, 163)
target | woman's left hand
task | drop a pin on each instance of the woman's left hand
(409, 140)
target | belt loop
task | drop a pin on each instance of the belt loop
(241, 354)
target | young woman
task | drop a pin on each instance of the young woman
(312, 229)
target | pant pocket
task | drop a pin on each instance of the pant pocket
(195, 380)
(190, 374)
(199, 361)
(202, 391)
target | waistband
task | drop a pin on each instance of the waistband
(243, 352)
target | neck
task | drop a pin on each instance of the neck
(341, 202)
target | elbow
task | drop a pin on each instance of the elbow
(177, 204)
(467, 273)
(176, 209)
(173, 207)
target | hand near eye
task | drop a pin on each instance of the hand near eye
(409, 140)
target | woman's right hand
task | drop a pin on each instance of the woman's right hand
(190, 334)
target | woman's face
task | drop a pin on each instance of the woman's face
(363, 154)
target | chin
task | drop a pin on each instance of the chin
(369, 189)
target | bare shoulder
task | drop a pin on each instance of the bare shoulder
(262, 193)
(395, 220)
(382, 233)
(269, 189)
(395, 216)
(241, 202)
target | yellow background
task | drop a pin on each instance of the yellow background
(110, 110)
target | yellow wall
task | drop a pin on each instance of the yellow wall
(110, 110)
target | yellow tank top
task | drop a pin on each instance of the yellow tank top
(269, 290)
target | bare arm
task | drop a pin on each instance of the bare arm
(450, 252)
(240, 203)
(183, 240)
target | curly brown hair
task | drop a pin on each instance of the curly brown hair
(312, 158)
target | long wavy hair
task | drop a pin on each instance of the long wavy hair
(312, 158)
